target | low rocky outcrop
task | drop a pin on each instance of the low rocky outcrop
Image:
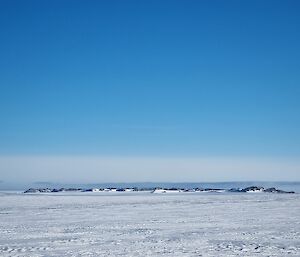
(274, 190)
(251, 189)
(32, 190)
(256, 189)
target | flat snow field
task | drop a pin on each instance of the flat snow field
(145, 224)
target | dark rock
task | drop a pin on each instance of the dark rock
(271, 190)
(252, 189)
(87, 190)
(31, 190)
(213, 189)
(274, 190)
(44, 190)
(72, 189)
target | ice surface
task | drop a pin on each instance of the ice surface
(144, 224)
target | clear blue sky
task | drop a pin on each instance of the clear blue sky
(151, 78)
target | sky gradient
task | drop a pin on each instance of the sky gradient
(150, 79)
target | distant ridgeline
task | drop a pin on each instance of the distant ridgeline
(158, 190)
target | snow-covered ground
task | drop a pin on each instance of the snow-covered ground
(144, 224)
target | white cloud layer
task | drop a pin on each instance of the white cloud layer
(87, 169)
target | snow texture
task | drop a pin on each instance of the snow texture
(144, 224)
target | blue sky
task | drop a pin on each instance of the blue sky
(150, 78)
